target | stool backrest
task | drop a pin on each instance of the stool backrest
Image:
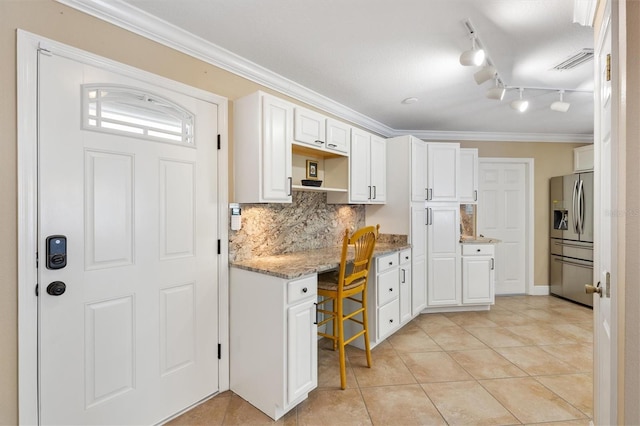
(363, 242)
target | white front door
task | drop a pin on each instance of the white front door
(502, 190)
(605, 370)
(133, 338)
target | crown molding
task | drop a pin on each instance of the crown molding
(132, 19)
(429, 135)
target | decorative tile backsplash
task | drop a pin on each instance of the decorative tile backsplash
(305, 224)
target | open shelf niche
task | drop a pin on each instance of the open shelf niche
(333, 169)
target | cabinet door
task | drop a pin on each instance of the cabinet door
(360, 167)
(405, 293)
(418, 170)
(583, 159)
(309, 127)
(418, 258)
(477, 279)
(443, 254)
(302, 350)
(443, 168)
(468, 175)
(338, 135)
(378, 168)
(277, 121)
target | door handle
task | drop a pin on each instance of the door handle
(589, 289)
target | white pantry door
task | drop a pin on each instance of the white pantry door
(502, 189)
(605, 354)
(133, 339)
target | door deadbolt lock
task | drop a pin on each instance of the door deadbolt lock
(56, 288)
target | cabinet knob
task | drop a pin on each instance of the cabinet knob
(391, 321)
(304, 290)
(478, 250)
(391, 263)
(391, 289)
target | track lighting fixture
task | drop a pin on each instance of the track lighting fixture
(473, 57)
(486, 73)
(520, 105)
(497, 91)
(560, 105)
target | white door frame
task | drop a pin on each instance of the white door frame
(530, 286)
(28, 46)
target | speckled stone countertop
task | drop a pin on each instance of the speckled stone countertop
(479, 240)
(294, 265)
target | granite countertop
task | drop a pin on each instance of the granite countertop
(479, 240)
(294, 265)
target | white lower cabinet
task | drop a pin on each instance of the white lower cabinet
(405, 286)
(443, 255)
(478, 274)
(273, 338)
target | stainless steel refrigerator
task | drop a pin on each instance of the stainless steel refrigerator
(571, 236)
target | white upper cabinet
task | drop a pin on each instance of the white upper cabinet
(368, 168)
(443, 171)
(378, 168)
(309, 127)
(468, 175)
(418, 170)
(583, 159)
(321, 132)
(263, 134)
(338, 135)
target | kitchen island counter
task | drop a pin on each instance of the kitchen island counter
(298, 264)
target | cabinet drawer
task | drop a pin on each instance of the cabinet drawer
(405, 256)
(386, 262)
(477, 249)
(388, 318)
(302, 289)
(387, 286)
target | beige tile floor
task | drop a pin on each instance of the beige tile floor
(526, 361)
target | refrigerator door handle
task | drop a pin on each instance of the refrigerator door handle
(574, 213)
(581, 205)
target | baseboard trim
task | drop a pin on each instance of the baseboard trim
(539, 290)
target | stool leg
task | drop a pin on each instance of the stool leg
(334, 323)
(365, 320)
(343, 367)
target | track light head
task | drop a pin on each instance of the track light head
(496, 93)
(560, 105)
(473, 57)
(520, 104)
(485, 74)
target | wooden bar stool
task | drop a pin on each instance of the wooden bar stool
(336, 287)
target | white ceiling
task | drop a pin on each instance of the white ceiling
(369, 55)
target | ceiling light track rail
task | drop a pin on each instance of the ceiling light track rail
(478, 56)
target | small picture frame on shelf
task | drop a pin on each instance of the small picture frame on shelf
(312, 169)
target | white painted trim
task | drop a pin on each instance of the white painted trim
(27, 100)
(432, 135)
(124, 15)
(27, 83)
(529, 163)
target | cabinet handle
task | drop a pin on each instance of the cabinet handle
(426, 194)
(375, 192)
(290, 186)
(475, 195)
(332, 145)
(426, 215)
(369, 191)
(430, 194)
(429, 216)
(316, 321)
(493, 264)
(319, 142)
(404, 276)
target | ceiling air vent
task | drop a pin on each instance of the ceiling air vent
(573, 61)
